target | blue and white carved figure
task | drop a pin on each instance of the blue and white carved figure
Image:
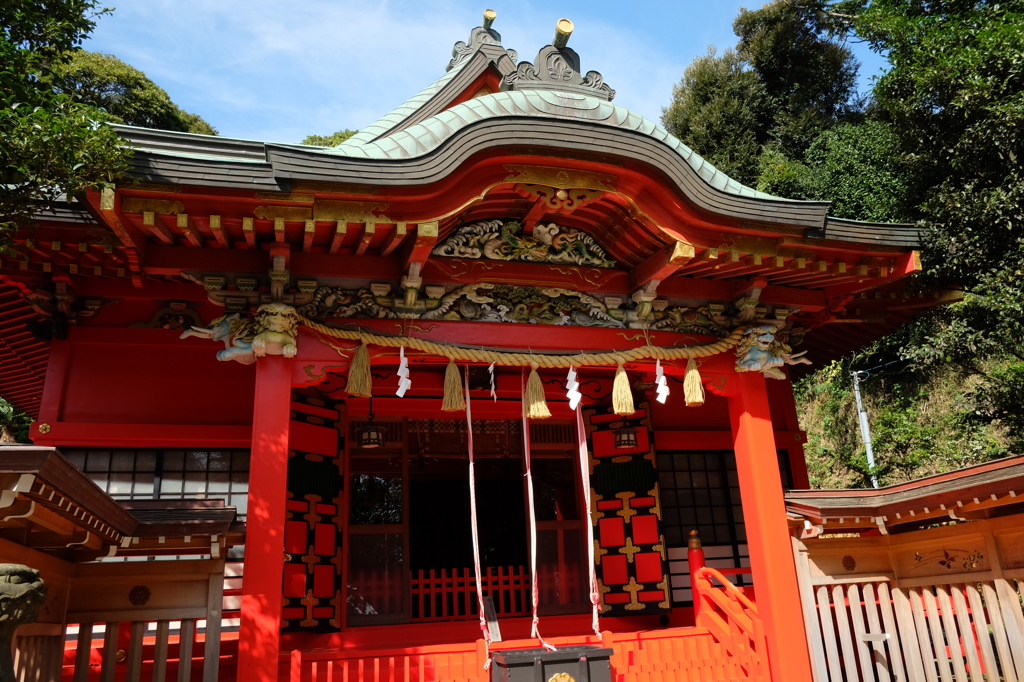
(761, 351)
(232, 330)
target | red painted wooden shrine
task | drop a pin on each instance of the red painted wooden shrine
(509, 208)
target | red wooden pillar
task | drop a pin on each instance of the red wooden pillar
(764, 514)
(259, 632)
(695, 560)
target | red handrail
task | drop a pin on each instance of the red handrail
(727, 613)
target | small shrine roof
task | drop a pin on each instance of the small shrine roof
(979, 491)
(46, 503)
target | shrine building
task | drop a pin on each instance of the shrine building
(508, 370)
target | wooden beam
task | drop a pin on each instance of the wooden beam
(108, 205)
(218, 232)
(369, 229)
(397, 235)
(537, 211)
(662, 264)
(171, 260)
(249, 230)
(159, 230)
(340, 230)
(279, 230)
(419, 250)
(307, 235)
(189, 230)
(904, 265)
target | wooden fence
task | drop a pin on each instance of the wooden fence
(157, 620)
(676, 654)
(939, 605)
(450, 594)
(727, 645)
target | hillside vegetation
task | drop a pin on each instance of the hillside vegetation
(939, 142)
(920, 424)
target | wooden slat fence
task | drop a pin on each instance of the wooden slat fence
(944, 632)
(938, 604)
(162, 651)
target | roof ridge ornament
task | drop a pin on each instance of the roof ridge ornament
(479, 36)
(558, 68)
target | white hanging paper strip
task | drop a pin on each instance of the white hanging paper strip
(404, 382)
(661, 382)
(573, 389)
(494, 392)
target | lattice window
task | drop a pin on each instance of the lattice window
(700, 490)
(128, 474)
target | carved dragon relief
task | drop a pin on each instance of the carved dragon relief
(490, 302)
(506, 303)
(504, 240)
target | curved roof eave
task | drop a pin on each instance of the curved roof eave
(424, 136)
(427, 151)
(420, 155)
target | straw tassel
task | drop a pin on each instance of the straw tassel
(622, 394)
(536, 407)
(360, 383)
(693, 387)
(453, 398)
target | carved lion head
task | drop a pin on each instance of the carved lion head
(276, 317)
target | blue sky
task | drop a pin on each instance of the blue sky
(278, 71)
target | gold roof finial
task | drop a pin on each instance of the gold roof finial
(563, 29)
(489, 15)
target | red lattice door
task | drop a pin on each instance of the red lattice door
(629, 553)
(313, 596)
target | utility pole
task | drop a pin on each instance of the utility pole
(865, 428)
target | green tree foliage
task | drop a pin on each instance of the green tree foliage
(329, 140)
(788, 79)
(920, 424)
(859, 167)
(955, 95)
(718, 110)
(124, 92)
(14, 424)
(806, 70)
(50, 145)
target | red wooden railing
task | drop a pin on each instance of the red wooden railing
(731, 618)
(450, 594)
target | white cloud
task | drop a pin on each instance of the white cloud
(263, 69)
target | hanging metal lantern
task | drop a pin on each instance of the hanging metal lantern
(371, 435)
(625, 438)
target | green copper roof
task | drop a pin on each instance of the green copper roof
(423, 137)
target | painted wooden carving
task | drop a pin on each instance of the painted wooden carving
(271, 332)
(506, 303)
(489, 302)
(22, 594)
(505, 240)
(762, 350)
